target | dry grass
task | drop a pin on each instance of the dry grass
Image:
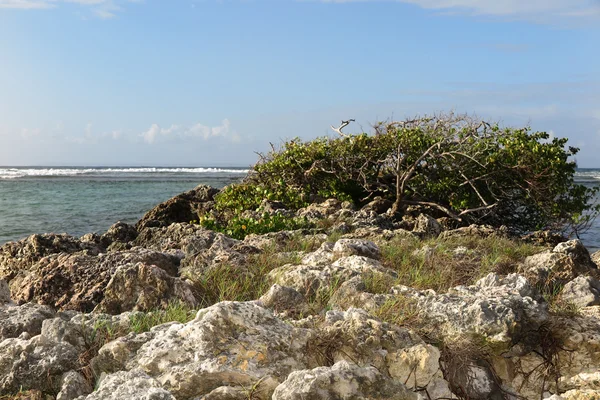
(434, 264)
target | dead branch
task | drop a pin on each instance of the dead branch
(342, 126)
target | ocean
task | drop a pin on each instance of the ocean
(82, 200)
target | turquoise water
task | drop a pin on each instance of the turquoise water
(81, 200)
(77, 201)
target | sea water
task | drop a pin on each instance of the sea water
(82, 200)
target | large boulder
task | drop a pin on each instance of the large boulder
(582, 291)
(341, 381)
(227, 344)
(20, 256)
(26, 319)
(77, 281)
(498, 308)
(34, 364)
(556, 267)
(181, 208)
(143, 287)
(319, 279)
(130, 385)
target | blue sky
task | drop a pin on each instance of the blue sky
(207, 82)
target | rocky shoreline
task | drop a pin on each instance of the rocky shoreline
(324, 316)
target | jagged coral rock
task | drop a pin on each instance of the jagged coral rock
(496, 307)
(142, 287)
(341, 381)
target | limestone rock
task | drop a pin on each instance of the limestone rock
(582, 291)
(15, 320)
(322, 256)
(285, 301)
(596, 258)
(351, 247)
(481, 231)
(562, 264)
(341, 381)
(427, 226)
(73, 386)
(4, 293)
(228, 344)
(34, 364)
(317, 211)
(20, 256)
(119, 233)
(310, 279)
(143, 287)
(181, 208)
(77, 281)
(131, 385)
(495, 307)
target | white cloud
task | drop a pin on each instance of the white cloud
(535, 10)
(101, 8)
(26, 4)
(198, 130)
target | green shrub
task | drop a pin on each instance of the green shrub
(469, 170)
(238, 226)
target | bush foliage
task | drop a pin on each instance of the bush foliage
(466, 169)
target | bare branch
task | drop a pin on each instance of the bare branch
(342, 126)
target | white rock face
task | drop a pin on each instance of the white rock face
(143, 287)
(562, 264)
(310, 279)
(73, 386)
(15, 320)
(29, 364)
(582, 291)
(494, 307)
(356, 247)
(228, 344)
(131, 385)
(284, 301)
(341, 381)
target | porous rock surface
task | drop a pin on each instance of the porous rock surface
(341, 381)
(279, 346)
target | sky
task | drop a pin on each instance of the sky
(210, 83)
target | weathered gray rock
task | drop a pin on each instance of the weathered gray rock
(317, 211)
(4, 293)
(19, 256)
(181, 208)
(351, 247)
(582, 291)
(357, 337)
(285, 301)
(341, 381)
(427, 226)
(15, 320)
(481, 231)
(73, 386)
(142, 287)
(34, 364)
(119, 236)
(131, 385)
(78, 281)
(495, 307)
(322, 256)
(562, 264)
(311, 279)
(227, 393)
(228, 344)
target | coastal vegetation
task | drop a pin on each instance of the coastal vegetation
(459, 167)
